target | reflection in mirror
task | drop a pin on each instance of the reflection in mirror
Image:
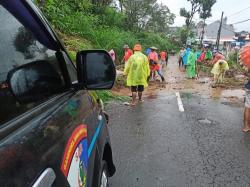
(100, 70)
(25, 43)
(34, 81)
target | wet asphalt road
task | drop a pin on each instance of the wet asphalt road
(154, 144)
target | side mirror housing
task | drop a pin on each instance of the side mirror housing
(95, 70)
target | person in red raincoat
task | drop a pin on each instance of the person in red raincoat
(201, 58)
(127, 54)
(218, 56)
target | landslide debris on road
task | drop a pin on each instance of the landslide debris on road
(176, 81)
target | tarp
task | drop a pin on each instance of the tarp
(245, 56)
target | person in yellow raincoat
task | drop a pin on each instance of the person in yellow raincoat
(137, 71)
(219, 70)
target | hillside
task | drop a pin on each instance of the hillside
(84, 25)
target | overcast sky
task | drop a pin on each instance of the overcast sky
(230, 7)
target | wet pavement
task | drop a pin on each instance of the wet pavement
(154, 144)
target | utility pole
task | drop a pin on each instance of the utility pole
(203, 32)
(219, 32)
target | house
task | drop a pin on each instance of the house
(242, 37)
(211, 32)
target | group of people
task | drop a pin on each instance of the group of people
(141, 68)
(192, 60)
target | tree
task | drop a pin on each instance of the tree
(137, 12)
(160, 18)
(205, 13)
(121, 5)
(101, 2)
(182, 35)
(189, 15)
(147, 15)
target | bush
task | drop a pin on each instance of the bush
(153, 39)
(113, 38)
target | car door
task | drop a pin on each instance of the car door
(43, 135)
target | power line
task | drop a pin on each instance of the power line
(238, 12)
(241, 21)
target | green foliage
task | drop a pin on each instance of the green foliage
(148, 39)
(233, 62)
(232, 58)
(111, 17)
(101, 2)
(107, 96)
(160, 18)
(203, 7)
(136, 11)
(103, 26)
(182, 35)
(206, 7)
(195, 7)
(113, 38)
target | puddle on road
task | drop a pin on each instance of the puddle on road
(205, 121)
(187, 95)
(233, 98)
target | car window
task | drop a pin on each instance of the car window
(18, 48)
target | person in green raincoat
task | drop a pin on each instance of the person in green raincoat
(191, 65)
(137, 71)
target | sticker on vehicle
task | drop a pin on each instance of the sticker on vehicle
(75, 160)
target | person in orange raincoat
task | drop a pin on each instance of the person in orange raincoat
(154, 66)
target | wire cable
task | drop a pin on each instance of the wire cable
(241, 21)
(236, 13)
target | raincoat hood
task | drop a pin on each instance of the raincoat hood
(185, 56)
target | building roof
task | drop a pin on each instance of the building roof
(227, 31)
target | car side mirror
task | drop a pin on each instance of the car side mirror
(95, 69)
(34, 81)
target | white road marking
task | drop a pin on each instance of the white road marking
(180, 105)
